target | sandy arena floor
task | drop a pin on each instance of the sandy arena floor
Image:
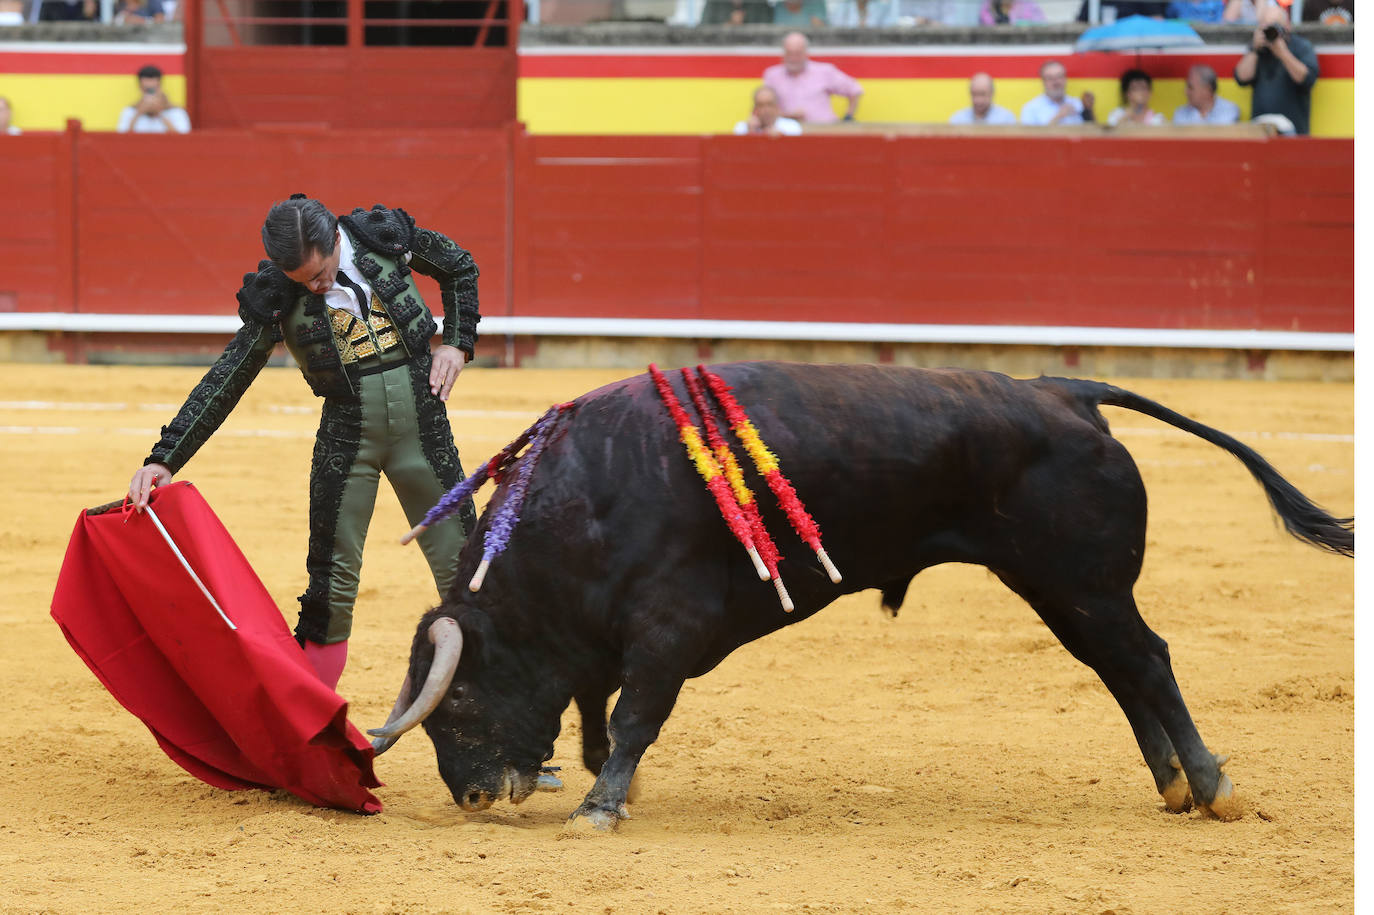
(953, 759)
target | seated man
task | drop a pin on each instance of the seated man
(982, 111)
(1203, 105)
(152, 113)
(1054, 106)
(767, 118)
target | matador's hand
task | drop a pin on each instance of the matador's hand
(144, 480)
(448, 363)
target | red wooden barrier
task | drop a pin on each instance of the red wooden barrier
(403, 88)
(169, 225)
(36, 268)
(1114, 232)
(1162, 233)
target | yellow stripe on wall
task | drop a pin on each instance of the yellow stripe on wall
(664, 105)
(697, 106)
(46, 101)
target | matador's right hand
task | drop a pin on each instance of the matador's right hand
(141, 486)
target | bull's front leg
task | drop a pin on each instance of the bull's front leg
(596, 744)
(644, 704)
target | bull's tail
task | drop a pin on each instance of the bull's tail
(1301, 517)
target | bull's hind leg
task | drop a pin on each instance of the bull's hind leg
(1108, 635)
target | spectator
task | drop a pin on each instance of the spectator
(800, 13)
(937, 12)
(1010, 12)
(857, 14)
(1212, 11)
(1203, 105)
(804, 86)
(67, 10)
(1054, 106)
(1136, 89)
(1282, 67)
(982, 111)
(137, 12)
(767, 119)
(1240, 12)
(1112, 10)
(152, 113)
(736, 12)
(6, 128)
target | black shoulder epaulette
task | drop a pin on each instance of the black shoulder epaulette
(386, 231)
(266, 295)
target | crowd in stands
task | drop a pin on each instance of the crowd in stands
(1280, 66)
(811, 14)
(118, 12)
(800, 14)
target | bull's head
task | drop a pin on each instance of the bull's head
(487, 737)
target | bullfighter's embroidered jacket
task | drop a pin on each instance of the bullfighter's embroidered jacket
(274, 308)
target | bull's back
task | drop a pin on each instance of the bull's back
(870, 449)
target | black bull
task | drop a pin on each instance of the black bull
(622, 574)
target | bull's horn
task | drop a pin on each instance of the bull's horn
(381, 744)
(448, 647)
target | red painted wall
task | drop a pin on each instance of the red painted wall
(984, 230)
(401, 88)
(1219, 234)
(170, 225)
(36, 268)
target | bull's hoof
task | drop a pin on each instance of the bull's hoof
(595, 819)
(1178, 797)
(1225, 804)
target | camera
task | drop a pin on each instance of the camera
(1271, 32)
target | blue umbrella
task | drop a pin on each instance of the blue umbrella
(1136, 32)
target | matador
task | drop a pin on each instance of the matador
(340, 294)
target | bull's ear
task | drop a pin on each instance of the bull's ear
(477, 637)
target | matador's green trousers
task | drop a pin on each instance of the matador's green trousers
(396, 428)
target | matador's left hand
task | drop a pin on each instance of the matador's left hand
(447, 365)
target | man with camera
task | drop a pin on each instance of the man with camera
(153, 113)
(1282, 67)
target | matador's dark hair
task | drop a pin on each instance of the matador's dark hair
(296, 227)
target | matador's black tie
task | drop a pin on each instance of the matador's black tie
(357, 291)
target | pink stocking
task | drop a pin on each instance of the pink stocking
(328, 661)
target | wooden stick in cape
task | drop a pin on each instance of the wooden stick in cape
(767, 465)
(710, 471)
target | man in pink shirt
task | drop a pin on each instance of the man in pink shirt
(804, 86)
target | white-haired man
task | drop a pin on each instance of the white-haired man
(1203, 105)
(804, 86)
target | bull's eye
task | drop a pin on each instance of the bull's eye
(457, 693)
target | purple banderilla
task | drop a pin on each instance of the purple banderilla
(507, 514)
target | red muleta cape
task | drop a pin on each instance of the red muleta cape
(236, 707)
